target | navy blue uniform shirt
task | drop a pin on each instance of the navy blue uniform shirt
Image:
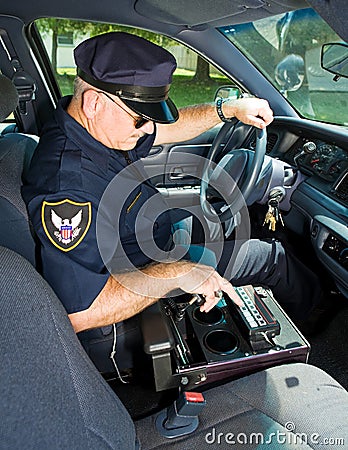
(70, 174)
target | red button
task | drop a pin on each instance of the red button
(194, 397)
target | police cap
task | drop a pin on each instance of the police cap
(134, 69)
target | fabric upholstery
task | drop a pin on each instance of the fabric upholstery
(15, 154)
(52, 397)
(328, 10)
(289, 407)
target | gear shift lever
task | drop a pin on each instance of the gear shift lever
(307, 149)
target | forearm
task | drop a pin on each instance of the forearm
(114, 303)
(125, 295)
(194, 120)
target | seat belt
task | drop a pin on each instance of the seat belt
(24, 83)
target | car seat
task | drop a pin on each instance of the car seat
(16, 150)
(14, 224)
(51, 394)
(53, 397)
(15, 153)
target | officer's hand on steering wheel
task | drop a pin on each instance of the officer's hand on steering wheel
(251, 111)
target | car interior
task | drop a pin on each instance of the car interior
(212, 380)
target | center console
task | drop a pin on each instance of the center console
(191, 348)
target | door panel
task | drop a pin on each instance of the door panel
(176, 172)
(175, 165)
(183, 168)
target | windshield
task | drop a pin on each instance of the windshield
(287, 50)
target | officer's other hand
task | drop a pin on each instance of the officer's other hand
(204, 280)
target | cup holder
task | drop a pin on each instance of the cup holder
(222, 342)
(213, 317)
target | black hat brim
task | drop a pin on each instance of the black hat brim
(160, 112)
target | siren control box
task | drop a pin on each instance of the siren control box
(257, 322)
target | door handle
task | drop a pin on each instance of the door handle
(178, 176)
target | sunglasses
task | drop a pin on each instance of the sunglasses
(138, 120)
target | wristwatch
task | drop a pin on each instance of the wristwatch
(218, 103)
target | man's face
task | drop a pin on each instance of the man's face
(116, 124)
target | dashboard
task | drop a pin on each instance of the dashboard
(320, 201)
(318, 150)
(326, 160)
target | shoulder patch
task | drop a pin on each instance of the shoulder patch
(66, 222)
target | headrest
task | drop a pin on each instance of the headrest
(8, 97)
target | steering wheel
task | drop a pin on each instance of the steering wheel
(234, 177)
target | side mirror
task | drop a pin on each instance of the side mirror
(334, 59)
(228, 92)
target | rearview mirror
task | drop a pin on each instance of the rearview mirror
(334, 59)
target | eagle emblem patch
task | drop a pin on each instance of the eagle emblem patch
(66, 222)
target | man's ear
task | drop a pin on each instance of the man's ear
(90, 103)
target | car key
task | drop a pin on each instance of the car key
(274, 203)
(270, 219)
(273, 214)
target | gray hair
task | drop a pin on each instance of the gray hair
(80, 86)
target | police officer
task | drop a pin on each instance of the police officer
(119, 110)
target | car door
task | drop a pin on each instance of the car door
(176, 170)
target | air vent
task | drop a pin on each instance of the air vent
(271, 142)
(341, 188)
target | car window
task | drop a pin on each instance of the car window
(195, 81)
(287, 49)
